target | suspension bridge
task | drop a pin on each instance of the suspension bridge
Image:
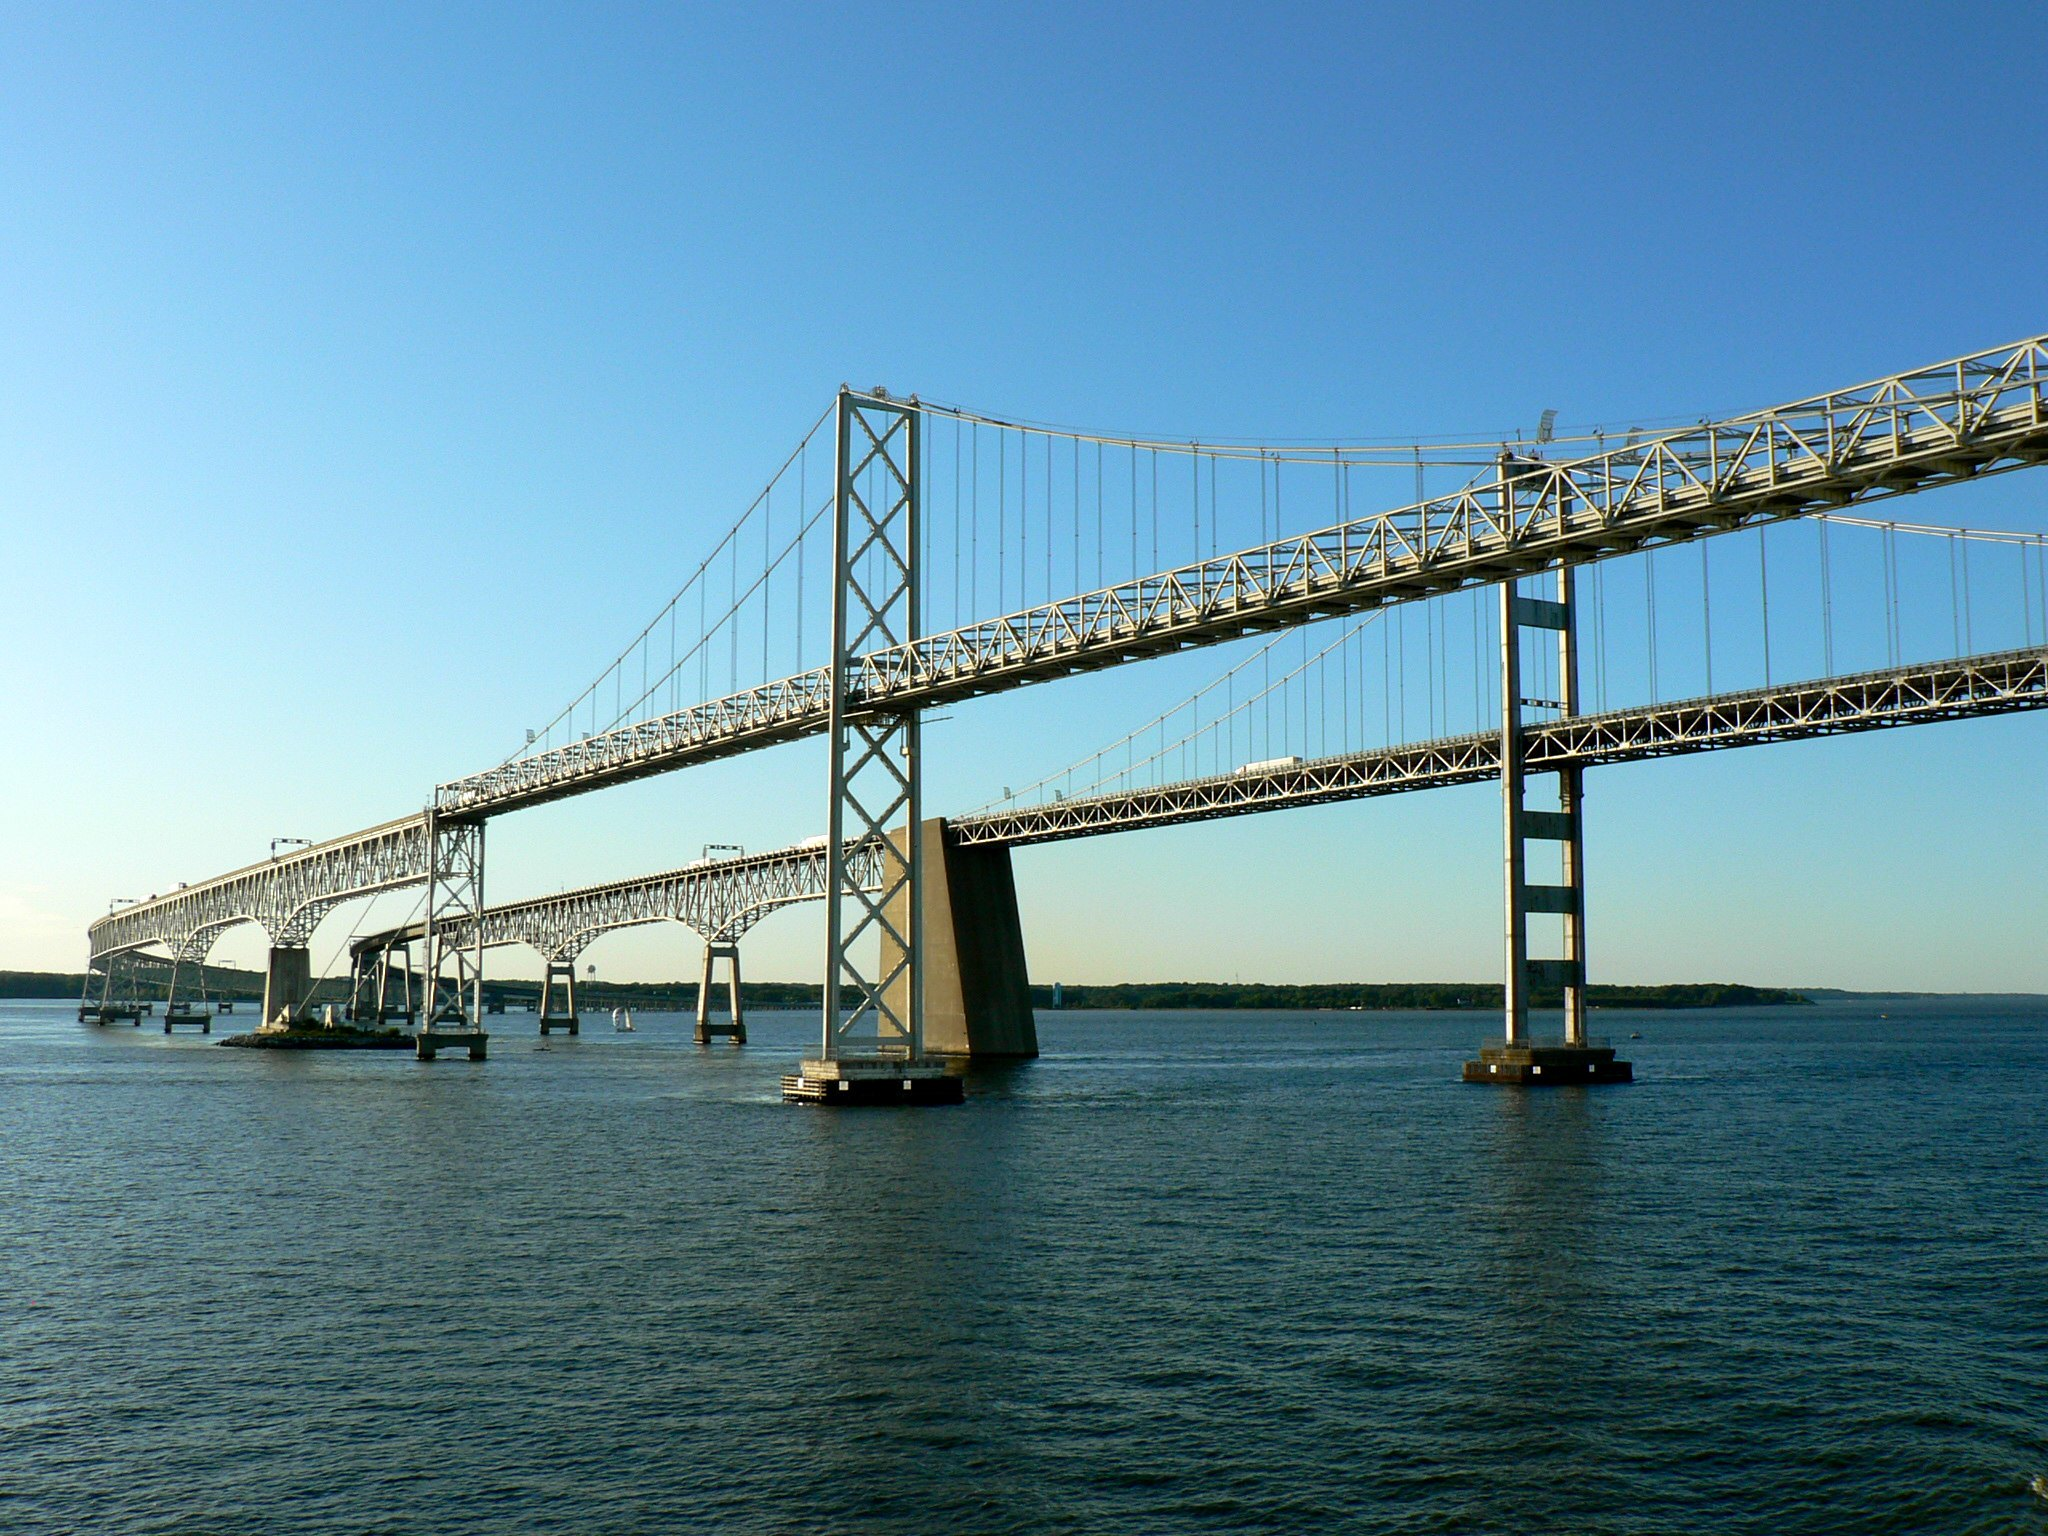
(1536, 584)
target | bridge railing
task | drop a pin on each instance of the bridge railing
(1954, 420)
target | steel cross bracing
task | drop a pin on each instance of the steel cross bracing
(1997, 683)
(1965, 418)
(723, 899)
(288, 894)
(874, 1002)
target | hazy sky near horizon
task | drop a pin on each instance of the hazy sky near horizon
(370, 372)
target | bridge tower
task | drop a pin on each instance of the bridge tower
(1518, 1058)
(454, 936)
(873, 1028)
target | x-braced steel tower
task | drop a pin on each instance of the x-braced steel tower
(454, 938)
(873, 1028)
(1518, 1058)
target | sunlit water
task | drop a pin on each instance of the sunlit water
(1186, 1273)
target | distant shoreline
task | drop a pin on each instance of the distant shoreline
(1374, 997)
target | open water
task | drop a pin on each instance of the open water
(1186, 1273)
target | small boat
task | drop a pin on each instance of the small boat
(622, 1020)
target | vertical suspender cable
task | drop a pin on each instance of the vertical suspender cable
(2026, 595)
(1706, 617)
(1211, 506)
(1134, 511)
(1969, 630)
(1955, 607)
(1023, 520)
(1344, 686)
(1098, 515)
(1075, 445)
(974, 525)
(1155, 509)
(1650, 603)
(1401, 618)
(1763, 584)
(1891, 596)
(1827, 603)
(1478, 669)
(803, 501)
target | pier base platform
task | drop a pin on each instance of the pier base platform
(431, 1040)
(1548, 1066)
(845, 1084)
(711, 1029)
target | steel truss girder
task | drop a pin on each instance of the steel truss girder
(287, 895)
(1957, 420)
(874, 995)
(1997, 683)
(748, 889)
(720, 899)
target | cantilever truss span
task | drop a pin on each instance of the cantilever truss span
(723, 898)
(1957, 420)
(719, 898)
(288, 894)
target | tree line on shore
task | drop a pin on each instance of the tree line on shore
(223, 981)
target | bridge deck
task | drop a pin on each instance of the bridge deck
(1997, 683)
(1953, 421)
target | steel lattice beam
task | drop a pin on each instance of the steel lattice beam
(287, 895)
(1980, 685)
(1957, 420)
(721, 899)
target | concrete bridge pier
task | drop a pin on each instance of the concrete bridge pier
(568, 1019)
(287, 983)
(735, 1024)
(977, 989)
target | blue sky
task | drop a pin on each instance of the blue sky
(370, 373)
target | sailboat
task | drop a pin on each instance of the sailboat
(622, 1020)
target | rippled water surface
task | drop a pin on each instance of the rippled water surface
(1186, 1273)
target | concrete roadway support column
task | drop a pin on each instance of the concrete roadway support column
(287, 983)
(735, 1024)
(1518, 1059)
(565, 970)
(977, 990)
